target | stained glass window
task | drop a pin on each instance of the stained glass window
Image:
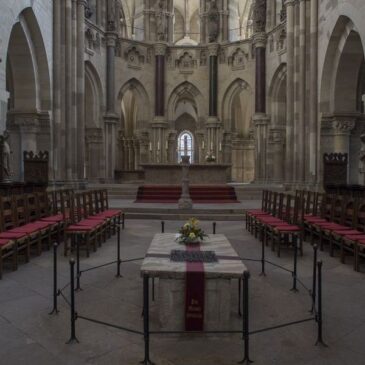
(185, 146)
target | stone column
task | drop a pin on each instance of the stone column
(289, 4)
(69, 92)
(81, 4)
(212, 123)
(277, 145)
(111, 118)
(260, 119)
(314, 154)
(302, 93)
(57, 132)
(296, 130)
(213, 79)
(159, 124)
(160, 52)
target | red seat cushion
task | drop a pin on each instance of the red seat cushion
(76, 228)
(4, 241)
(288, 228)
(13, 235)
(346, 232)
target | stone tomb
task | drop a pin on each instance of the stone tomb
(171, 283)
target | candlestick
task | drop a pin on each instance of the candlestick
(211, 146)
(150, 146)
(220, 146)
(203, 146)
(158, 145)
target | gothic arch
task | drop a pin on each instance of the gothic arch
(187, 91)
(277, 97)
(341, 69)
(144, 113)
(28, 64)
(233, 90)
(93, 97)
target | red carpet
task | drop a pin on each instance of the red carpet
(198, 193)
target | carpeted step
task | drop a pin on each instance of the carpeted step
(198, 194)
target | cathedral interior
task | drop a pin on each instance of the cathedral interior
(122, 122)
(108, 86)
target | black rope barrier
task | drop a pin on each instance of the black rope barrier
(110, 325)
(267, 329)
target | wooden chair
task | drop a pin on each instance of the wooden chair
(288, 232)
(82, 232)
(7, 223)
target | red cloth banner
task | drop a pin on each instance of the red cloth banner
(194, 297)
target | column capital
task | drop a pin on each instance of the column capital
(213, 49)
(159, 122)
(289, 3)
(213, 122)
(111, 118)
(111, 39)
(260, 119)
(259, 40)
(160, 49)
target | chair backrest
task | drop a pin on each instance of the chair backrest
(20, 209)
(7, 213)
(44, 208)
(338, 210)
(31, 208)
(349, 216)
(360, 216)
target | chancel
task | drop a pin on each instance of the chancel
(182, 181)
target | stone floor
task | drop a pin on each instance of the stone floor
(28, 335)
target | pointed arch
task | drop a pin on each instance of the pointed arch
(277, 96)
(185, 91)
(143, 100)
(233, 90)
(93, 97)
(345, 42)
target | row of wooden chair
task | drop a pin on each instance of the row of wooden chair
(340, 223)
(277, 221)
(327, 219)
(32, 221)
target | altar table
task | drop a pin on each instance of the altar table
(171, 283)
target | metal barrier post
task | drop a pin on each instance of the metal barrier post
(214, 227)
(319, 314)
(73, 338)
(55, 289)
(239, 297)
(146, 324)
(123, 220)
(118, 252)
(162, 226)
(78, 274)
(314, 289)
(263, 258)
(245, 322)
(295, 242)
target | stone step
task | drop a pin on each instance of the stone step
(184, 216)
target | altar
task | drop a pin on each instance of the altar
(209, 173)
(172, 280)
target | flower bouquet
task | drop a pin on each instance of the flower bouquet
(191, 233)
(210, 157)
